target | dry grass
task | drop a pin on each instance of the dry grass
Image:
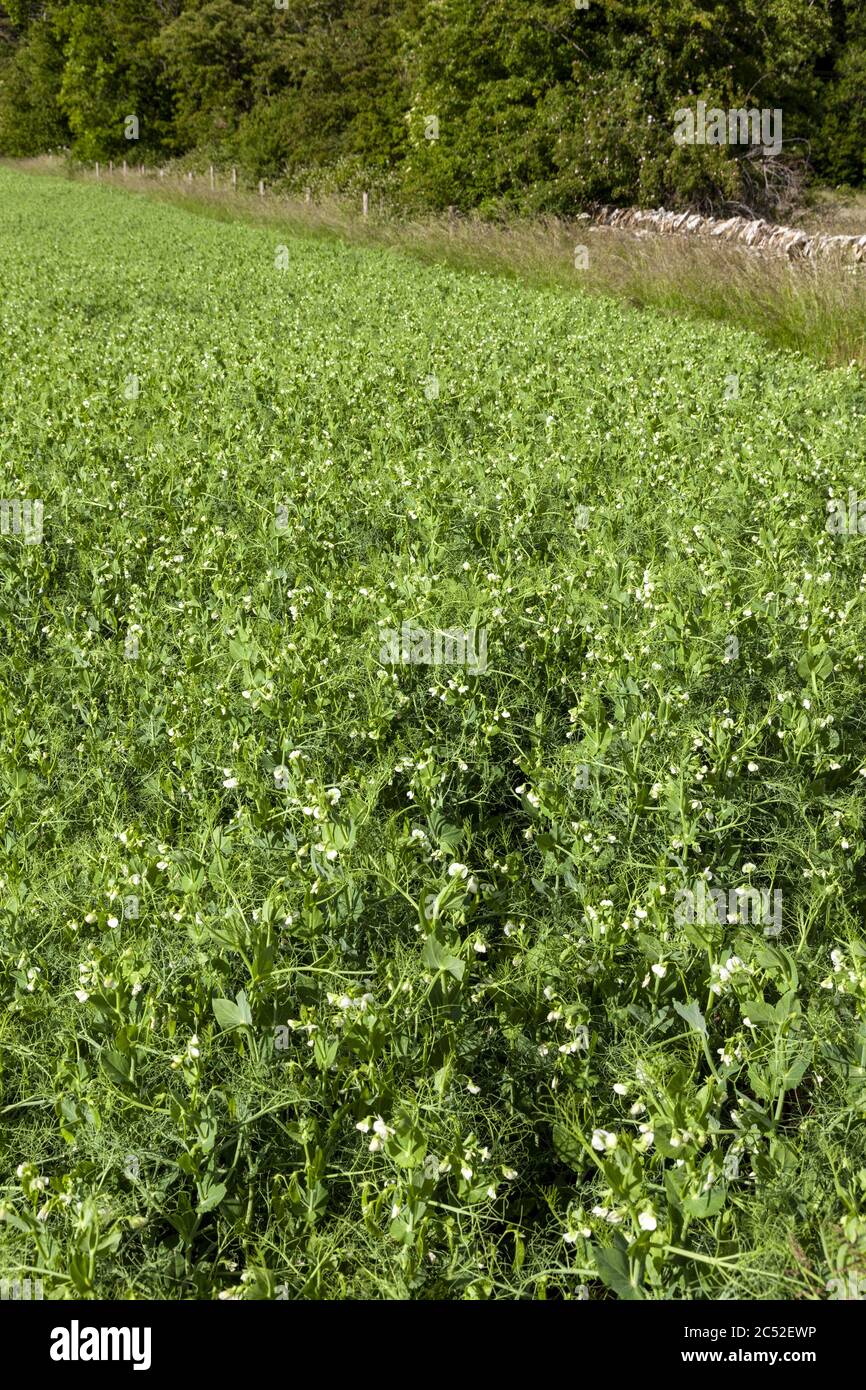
(818, 308)
(840, 214)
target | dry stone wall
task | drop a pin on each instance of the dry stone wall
(753, 234)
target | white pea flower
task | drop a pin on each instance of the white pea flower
(603, 1140)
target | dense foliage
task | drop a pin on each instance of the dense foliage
(323, 976)
(540, 104)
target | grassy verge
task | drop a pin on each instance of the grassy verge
(818, 309)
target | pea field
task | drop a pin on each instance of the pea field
(433, 764)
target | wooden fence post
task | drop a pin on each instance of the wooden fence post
(124, 168)
(234, 179)
(261, 188)
(97, 168)
(365, 204)
(211, 179)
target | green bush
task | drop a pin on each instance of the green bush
(541, 106)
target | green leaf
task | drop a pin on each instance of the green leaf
(446, 835)
(244, 1009)
(410, 1145)
(117, 1065)
(232, 1015)
(760, 1083)
(313, 1201)
(210, 1197)
(707, 1203)
(612, 1265)
(675, 1182)
(438, 957)
(569, 1149)
(13, 1219)
(758, 1011)
(797, 1070)
(692, 1015)
(815, 662)
(325, 1051)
